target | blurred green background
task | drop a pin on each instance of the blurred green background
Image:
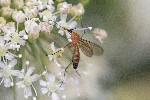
(126, 50)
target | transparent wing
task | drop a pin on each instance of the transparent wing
(85, 49)
(97, 50)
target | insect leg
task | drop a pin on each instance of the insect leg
(65, 74)
(77, 72)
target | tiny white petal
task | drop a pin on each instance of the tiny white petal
(61, 32)
(1, 73)
(7, 81)
(2, 64)
(50, 77)
(28, 91)
(50, 57)
(44, 90)
(9, 56)
(22, 33)
(13, 62)
(42, 83)
(56, 63)
(30, 70)
(52, 46)
(20, 84)
(35, 77)
(15, 72)
(22, 42)
(68, 35)
(55, 96)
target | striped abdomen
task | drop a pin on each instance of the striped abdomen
(76, 57)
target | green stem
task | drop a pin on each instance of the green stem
(42, 47)
(36, 54)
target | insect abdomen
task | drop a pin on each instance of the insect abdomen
(76, 57)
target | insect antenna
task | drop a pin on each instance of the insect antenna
(82, 27)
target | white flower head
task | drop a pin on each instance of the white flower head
(50, 86)
(7, 72)
(55, 53)
(27, 81)
(99, 34)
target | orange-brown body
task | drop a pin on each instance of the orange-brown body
(75, 39)
(76, 57)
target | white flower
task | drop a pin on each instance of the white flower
(64, 7)
(7, 72)
(18, 16)
(63, 25)
(99, 34)
(4, 49)
(17, 39)
(32, 28)
(8, 28)
(50, 86)
(55, 53)
(27, 80)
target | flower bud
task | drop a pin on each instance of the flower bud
(18, 4)
(30, 12)
(45, 27)
(99, 34)
(64, 7)
(77, 10)
(18, 16)
(6, 12)
(5, 3)
(33, 29)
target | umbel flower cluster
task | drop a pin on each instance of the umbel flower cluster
(26, 27)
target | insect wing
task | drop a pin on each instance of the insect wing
(97, 50)
(85, 49)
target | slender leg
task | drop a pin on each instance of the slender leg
(65, 74)
(78, 73)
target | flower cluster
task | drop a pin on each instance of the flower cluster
(33, 25)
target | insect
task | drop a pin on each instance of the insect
(87, 47)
